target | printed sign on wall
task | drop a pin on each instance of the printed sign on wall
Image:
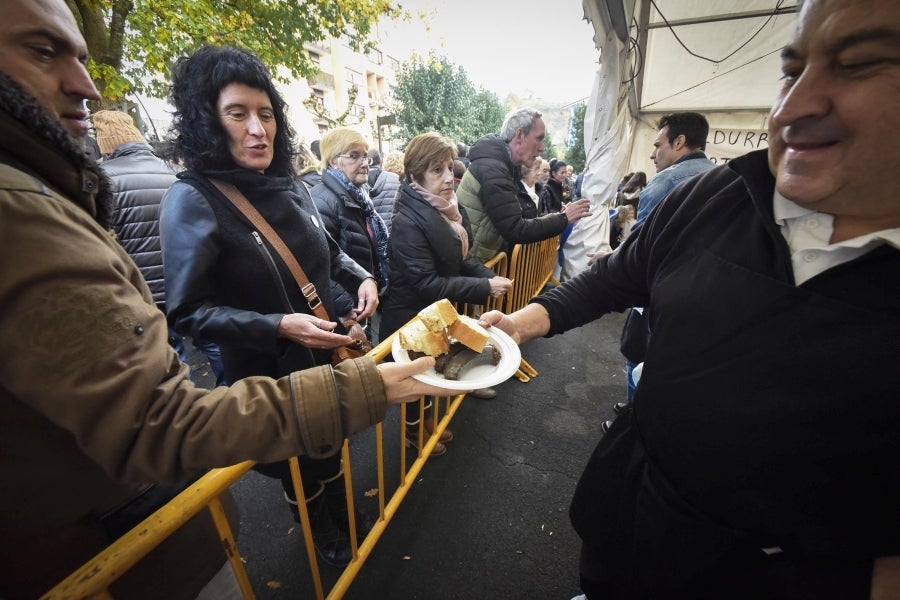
(724, 144)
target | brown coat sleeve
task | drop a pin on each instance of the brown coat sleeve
(85, 356)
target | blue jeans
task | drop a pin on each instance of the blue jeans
(214, 356)
(562, 243)
(177, 342)
(629, 367)
(212, 352)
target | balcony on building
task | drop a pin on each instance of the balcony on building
(321, 80)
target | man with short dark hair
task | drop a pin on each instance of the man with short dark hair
(757, 461)
(489, 188)
(677, 154)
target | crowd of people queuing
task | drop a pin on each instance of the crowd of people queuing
(783, 487)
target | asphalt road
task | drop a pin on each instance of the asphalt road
(489, 519)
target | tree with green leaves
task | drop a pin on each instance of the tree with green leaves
(575, 152)
(133, 43)
(314, 105)
(433, 94)
(549, 148)
(488, 115)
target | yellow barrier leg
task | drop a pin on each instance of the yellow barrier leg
(307, 528)
(528, 369)
(348, 488)
(227, 538)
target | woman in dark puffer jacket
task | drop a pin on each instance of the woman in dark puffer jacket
(429, 247)
(347, 212)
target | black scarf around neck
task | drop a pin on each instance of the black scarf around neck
(33, 141)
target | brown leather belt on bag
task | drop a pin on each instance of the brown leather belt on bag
(361, 344)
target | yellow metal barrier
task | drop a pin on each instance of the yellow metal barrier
(499, 264)
(93, 579)
(531, 267)
(388, 507)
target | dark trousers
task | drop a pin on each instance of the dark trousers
(748, 575)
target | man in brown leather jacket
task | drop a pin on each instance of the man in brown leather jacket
(94, 403)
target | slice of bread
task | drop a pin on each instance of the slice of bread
(438, 315)
(416, 336)
(468, 332)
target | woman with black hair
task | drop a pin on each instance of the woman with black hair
(225, 283)
(554, 196)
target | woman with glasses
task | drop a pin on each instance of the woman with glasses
(347, 211)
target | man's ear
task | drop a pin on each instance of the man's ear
(680, 141)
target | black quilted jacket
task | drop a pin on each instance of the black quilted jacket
(140, 179)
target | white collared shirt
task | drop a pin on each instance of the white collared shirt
(532, 194)
(808, 233)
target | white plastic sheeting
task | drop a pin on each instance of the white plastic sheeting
(740, 68)
(607, 126)
(717, 57)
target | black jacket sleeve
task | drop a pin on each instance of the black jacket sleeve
(499, 196)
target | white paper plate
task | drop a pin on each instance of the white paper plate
(476, 376)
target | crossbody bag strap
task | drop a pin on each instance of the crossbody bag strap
(240, 201)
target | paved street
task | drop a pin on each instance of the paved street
(489, 519)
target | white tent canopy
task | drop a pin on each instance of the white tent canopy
(720, 58)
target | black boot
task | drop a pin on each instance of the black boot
(336, 501)
(332, 544)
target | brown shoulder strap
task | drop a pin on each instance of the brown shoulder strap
(306, 288)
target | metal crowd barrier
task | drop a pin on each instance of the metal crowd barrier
(499, 264)
(530, 269)
(444, 410)
(529, 266)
